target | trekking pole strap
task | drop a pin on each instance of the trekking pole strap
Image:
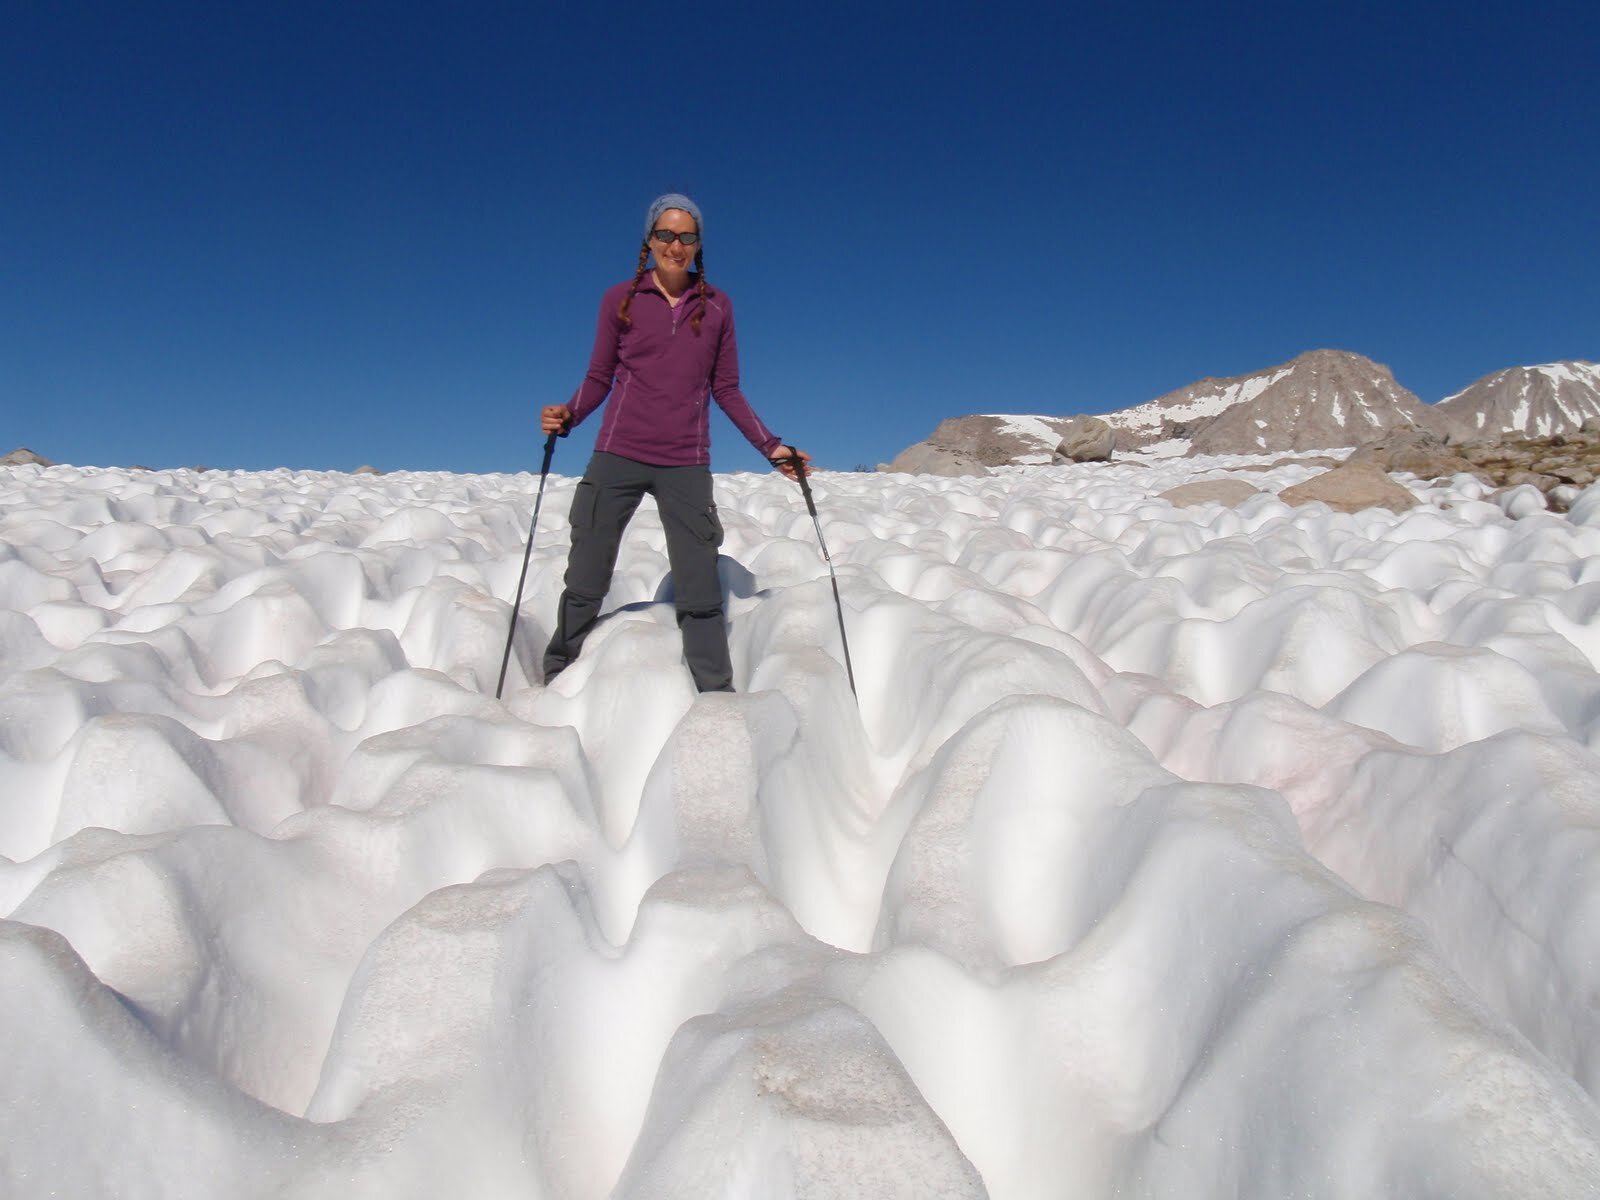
(800, 476)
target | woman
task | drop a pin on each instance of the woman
(665, 340)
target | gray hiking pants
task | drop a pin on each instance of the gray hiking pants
(604, 502)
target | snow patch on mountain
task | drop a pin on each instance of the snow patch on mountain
(1043, 432)
(1537, 401)
(1208, 398)
(1320, 399)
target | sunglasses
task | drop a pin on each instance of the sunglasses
(666, 237)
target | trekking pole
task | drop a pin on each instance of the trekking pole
(811, 505)
(516, 605)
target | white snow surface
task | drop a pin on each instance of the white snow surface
(1209, 400)
(1024, 425)
(1584, 374)
(1168, 852)
(1036, 429)
(1577, 376)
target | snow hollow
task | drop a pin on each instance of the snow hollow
(1181, 853)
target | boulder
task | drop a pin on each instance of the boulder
(366, 469)
(1351, 488)
(1228, 492)
(1087, 439)
(1304, 460)
(22, 456)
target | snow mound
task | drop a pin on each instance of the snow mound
(1165, 852)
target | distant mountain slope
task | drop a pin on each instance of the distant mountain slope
(1322, 399)
(1533, 401)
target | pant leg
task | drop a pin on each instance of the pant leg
(689, 519)
(602, 505)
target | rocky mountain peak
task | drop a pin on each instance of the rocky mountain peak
(1552, 398)
(1318, 400)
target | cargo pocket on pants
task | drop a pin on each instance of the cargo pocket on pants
(711, 526)
(584, 499)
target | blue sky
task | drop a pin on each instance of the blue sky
(322, 235)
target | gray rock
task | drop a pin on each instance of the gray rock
(366, 470)
(1087, 439)
(1350, 489)
(1305, 460)
(22, 456)
(1228, 492)
(981, 441)
(927, 459)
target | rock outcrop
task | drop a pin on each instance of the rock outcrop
(1421, 454)
(22, 456)
(1560, 466)
(927, 458)
(970, 445)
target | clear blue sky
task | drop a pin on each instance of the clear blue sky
(318, 235)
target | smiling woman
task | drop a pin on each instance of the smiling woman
(658, 370)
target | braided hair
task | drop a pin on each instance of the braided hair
(638, 274)
(701, 291)
(700, 266)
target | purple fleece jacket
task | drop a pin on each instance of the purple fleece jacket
(658, 373)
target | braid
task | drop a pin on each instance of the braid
(622, 310)
(700, 266)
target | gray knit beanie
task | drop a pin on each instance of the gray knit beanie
(673, 200)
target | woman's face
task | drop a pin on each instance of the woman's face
(674, 256)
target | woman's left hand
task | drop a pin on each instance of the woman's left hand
(790, 459)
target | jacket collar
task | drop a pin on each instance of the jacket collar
(647, 283)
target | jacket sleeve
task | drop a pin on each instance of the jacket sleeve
(596, 385)
(725, 390)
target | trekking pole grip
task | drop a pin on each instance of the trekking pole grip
(800, 475)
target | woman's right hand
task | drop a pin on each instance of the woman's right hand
(554, 418)
(792, 462)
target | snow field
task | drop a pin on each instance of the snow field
(1168, 852)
